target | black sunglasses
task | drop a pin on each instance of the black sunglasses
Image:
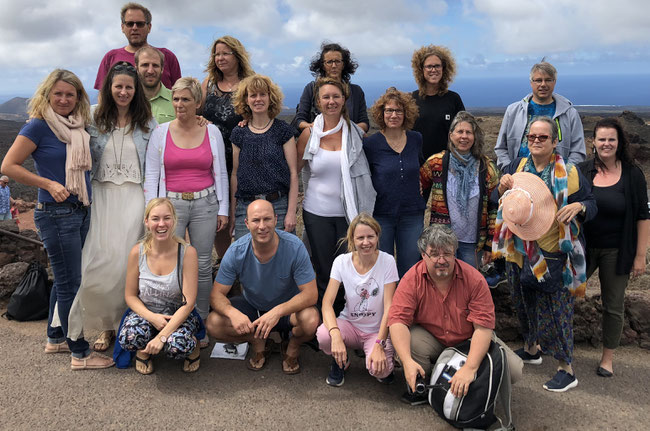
(130, 24)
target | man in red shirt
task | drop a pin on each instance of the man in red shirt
(440, 302)
(136, 25)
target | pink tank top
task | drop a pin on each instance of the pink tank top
(188, 170)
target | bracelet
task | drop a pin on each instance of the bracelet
(333, 328)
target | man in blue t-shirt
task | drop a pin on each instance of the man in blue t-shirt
(278, 291)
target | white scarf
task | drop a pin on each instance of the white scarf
(313, 146)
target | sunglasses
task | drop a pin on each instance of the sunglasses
(122, 66)
(130, 24)
(540, 138)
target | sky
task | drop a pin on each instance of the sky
(491, 39)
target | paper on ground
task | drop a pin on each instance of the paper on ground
(229, 351)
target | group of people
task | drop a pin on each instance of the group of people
(206, 161)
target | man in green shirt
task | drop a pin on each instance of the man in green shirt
(149, 62)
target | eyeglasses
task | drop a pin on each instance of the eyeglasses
(223, 54)
(391, 111)
(446, 255)
(130, 24)
(540, 138)
(334, 62)
(540, 81)
(430, 67)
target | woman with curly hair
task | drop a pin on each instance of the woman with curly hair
(434, 68)
(118, 141)
(461, 181)
(335, 62)
(394, 156)
(229, 63)
(56, 139)
(264, 155)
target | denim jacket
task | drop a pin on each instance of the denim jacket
(99, 140)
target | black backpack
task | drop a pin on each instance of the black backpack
(31, 299)
(477, 408)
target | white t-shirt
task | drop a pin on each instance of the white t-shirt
(364, 294)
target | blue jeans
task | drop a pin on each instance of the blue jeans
(5, 216)
(199, 217)
(63, 228)
(400, 234)
(467, 253)
(280, 206)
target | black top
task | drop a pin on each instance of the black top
(604, 231)
(636, 208)
(436, 114)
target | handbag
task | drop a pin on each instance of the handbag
(31, 299)
(553, 281)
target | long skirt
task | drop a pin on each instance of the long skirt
(115, 227)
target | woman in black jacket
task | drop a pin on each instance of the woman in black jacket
(617, 236)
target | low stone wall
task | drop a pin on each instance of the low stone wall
(15, 255)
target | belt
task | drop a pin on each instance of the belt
(274, 196)
(73, 205)
(190, 196)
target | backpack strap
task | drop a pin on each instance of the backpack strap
(505, 394)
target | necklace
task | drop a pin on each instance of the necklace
(230, 86)
(260, 128)
(118, 164)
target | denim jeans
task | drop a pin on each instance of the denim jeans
(63, 228)
(5, 216)
(399, 235)
(467, 253)
(280, 206)
(199, 217)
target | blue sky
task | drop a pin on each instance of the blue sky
(491, 39)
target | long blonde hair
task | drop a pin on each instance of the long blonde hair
(147, 240)
(41, 98)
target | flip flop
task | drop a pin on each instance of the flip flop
(104, 341)
(147, 365)
(194, 358)
(292, 363)
(258, 356)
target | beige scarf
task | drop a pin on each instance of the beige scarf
(71, 131)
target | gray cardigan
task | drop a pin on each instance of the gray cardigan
(364, 193)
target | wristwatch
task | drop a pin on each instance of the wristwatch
(163, 339)
(583, 211)
(381, 342)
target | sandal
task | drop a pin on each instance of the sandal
(104, 341)
(192, 362)
(57, 348)
(143, 365)
(204, 343)
(264, 355)
(290, 364)
(94, 361)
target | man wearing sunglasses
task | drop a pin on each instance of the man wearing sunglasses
(136, 25)
(512, 141)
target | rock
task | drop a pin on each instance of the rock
(9, 225)
(5, 258)
(632, 118)
(637, 306)
(10, 276)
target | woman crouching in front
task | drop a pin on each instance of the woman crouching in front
(161, 286)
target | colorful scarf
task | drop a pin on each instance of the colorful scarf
(507, 244)
(70, 130)
(465, 169)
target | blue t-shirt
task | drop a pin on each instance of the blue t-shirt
(395, 176)
(262, 167)
(266, 285)
(49, 157)
(534, 110)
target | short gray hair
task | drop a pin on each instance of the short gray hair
(4, 178)
(189, 83)
(545, 67)
(437, 236)
(550, 122)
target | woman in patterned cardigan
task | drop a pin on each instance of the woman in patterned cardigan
(460, 181)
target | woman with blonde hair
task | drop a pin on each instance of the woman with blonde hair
(394, 155)
(336, 178)
(161, 288)
(56, 139)
(229, 63)
(369, 277)
(264, 155)
(186, 163)
(434, 68)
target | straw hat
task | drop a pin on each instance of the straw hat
(528, 208)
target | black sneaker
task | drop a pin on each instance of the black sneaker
(336, 376)
(388, 379)
(414, 398)
(561, 382)
(535, 359)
